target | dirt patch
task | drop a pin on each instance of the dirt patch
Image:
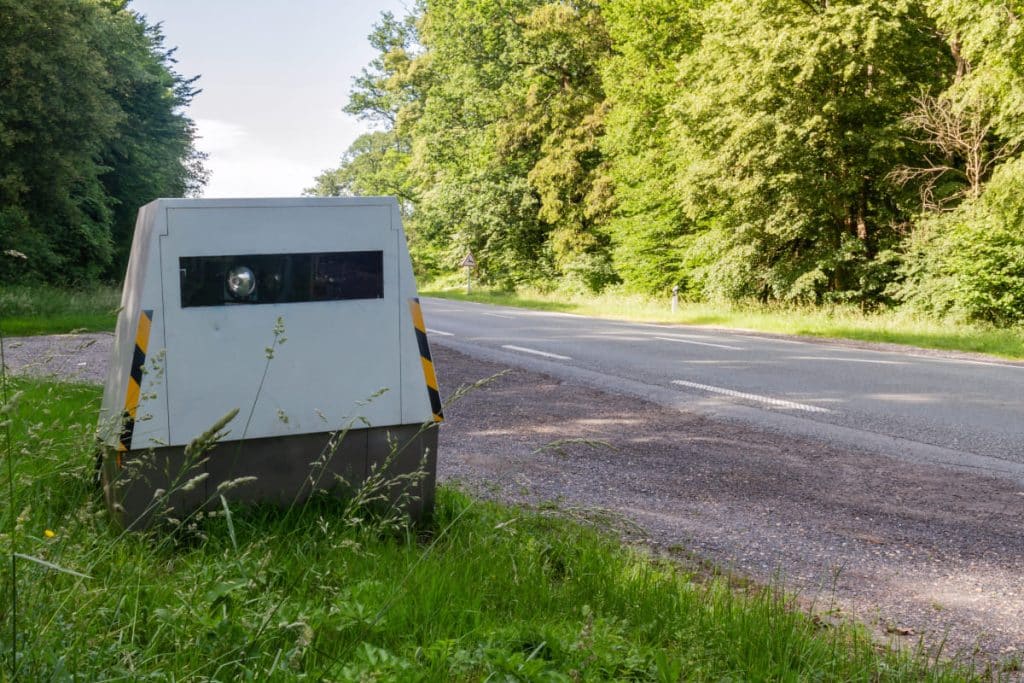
(922, 553)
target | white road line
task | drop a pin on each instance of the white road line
(497, 315)
(773, 339)
(440, 333)
(850, 360)
(534, 352)
(777, 402)
(690, 341)
(681, 335)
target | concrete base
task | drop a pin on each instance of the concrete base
(286, 470)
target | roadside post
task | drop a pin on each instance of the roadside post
(469, 263)
(302, 315)
(675, 297)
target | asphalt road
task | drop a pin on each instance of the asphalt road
(922, 406)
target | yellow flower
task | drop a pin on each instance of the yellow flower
(49, 534)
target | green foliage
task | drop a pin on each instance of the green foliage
(775, 151)
(152, 152)
(466, 156)
(793, 115)
(969, 263)
(90, 128)
(648, 226)
(55, 117)
(373, 165)
(481, 592)
(966, 262)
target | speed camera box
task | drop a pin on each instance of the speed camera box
(301, 314)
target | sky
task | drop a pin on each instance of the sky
(274, 75)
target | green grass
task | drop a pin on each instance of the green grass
(834, 322)
(481, 592)
(40, 309)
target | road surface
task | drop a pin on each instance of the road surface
(924, 407)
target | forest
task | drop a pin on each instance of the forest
(92, 126)
(812, 152)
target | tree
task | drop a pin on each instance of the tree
(152, 152)
(90, 128)
(649, 227)
(788, 126)
(966, 253)
(558, 119)
(55, 117)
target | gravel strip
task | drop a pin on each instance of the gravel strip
(73, 357)
(920, 553)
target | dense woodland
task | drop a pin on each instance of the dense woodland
(92, 126)
(808, 151)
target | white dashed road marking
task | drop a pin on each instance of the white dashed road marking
(535, 352)
(690, 341)
(777, 402)
(850, 360)
(440, 333)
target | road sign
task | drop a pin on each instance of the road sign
(469, 261)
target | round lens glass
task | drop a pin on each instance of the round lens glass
(241, 282)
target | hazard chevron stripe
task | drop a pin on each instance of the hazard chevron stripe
(428, 364)
(134, 392)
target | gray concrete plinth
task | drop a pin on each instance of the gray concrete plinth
(278, 470)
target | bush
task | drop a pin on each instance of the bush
(969, 263)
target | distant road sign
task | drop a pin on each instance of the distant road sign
(469, 261)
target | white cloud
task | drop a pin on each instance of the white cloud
(218, 136)
(241, 165)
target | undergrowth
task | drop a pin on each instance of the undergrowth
(480, 591)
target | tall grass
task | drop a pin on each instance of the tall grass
(42, 309)
(480, 592)
(840, 322)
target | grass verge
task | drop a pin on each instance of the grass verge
(40, 309)
(836, 322)
(481, 592)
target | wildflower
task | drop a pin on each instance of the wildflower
(49, 533)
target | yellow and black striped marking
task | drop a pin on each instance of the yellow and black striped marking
(428, 364)
(131, 398)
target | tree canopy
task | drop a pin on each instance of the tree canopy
(810, 151)
(92, 125)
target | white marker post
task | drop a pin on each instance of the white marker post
(469, 263)
(675, 297)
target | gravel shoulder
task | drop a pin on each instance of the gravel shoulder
(920, 553)
(72, 357)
